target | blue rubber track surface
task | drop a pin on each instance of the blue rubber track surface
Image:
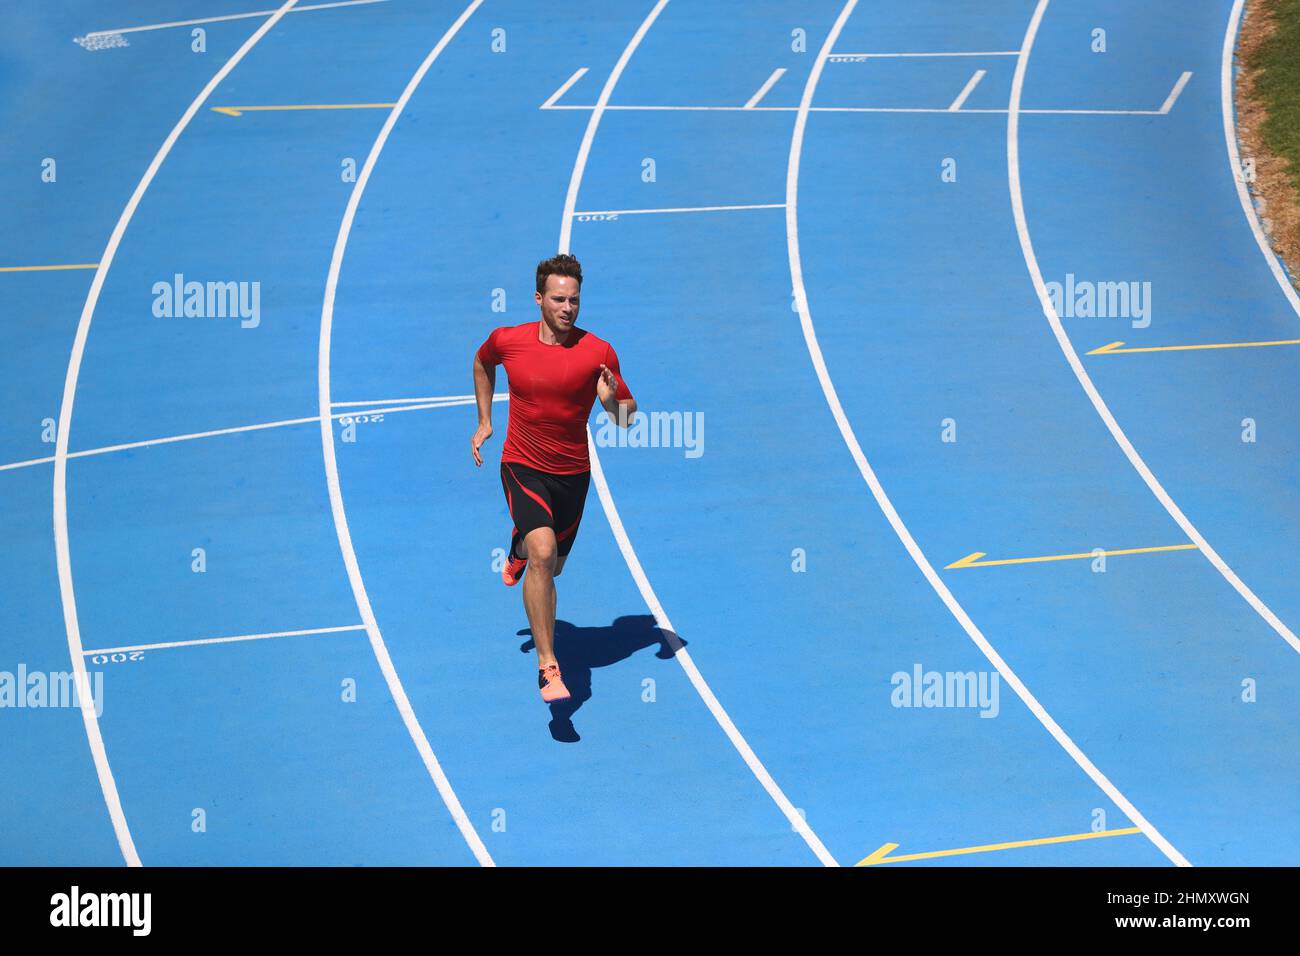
(239, 616)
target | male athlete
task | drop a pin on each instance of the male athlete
(555, 370)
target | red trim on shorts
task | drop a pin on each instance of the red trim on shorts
(568, 531)
(529, 493)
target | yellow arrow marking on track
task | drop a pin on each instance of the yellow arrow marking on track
(80, 265)
(1113, 348)
(882, 855)
(240, 110)
(972, 560)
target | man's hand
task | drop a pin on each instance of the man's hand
(481, 434)
(620, 412)
(606, 386)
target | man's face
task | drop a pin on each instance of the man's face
(559, 302)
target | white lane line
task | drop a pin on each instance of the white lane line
(868, 475)
(867, 109)
(577, 75)
(973, 82)
(63, 552)
(222, 640)
(332, 468)
(838, 57)
(762, 90)
(1172, 98)
(230, 16)
(797, 822)
(284, 423)
(440, 400)
(1234, 160)
(683, 657)
(1071, 356)
(636, 212)
(602, 103)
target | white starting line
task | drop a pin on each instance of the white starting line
(871, 109)
(229, 16)
(751, 106)
(860, 57)
(441, 400)
(222, 640)
(370, 408)
(638, 212)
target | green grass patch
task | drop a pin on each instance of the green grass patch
(1277, 86)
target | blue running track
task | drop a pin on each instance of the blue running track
(813, 232)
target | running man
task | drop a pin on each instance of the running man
(555, 370)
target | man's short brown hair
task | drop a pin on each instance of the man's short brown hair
(559, 265)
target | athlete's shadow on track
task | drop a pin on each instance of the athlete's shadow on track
(579, 649)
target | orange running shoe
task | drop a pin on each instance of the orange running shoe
(514, 570)
(553, 689)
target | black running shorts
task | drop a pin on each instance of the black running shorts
(539, 499)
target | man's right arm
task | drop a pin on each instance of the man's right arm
(485, 380)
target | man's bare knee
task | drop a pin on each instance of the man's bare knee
(541, 552)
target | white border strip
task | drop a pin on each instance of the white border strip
(395, 687)
(797, 822)
(223, 640)
(1234, 159)
(63, 553)
(868, 475)
(231, 16)
(1071, 356)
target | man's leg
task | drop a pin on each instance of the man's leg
(539, 592)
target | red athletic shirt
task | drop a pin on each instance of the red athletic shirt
(552, 389)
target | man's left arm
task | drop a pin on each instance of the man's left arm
(615, 397)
